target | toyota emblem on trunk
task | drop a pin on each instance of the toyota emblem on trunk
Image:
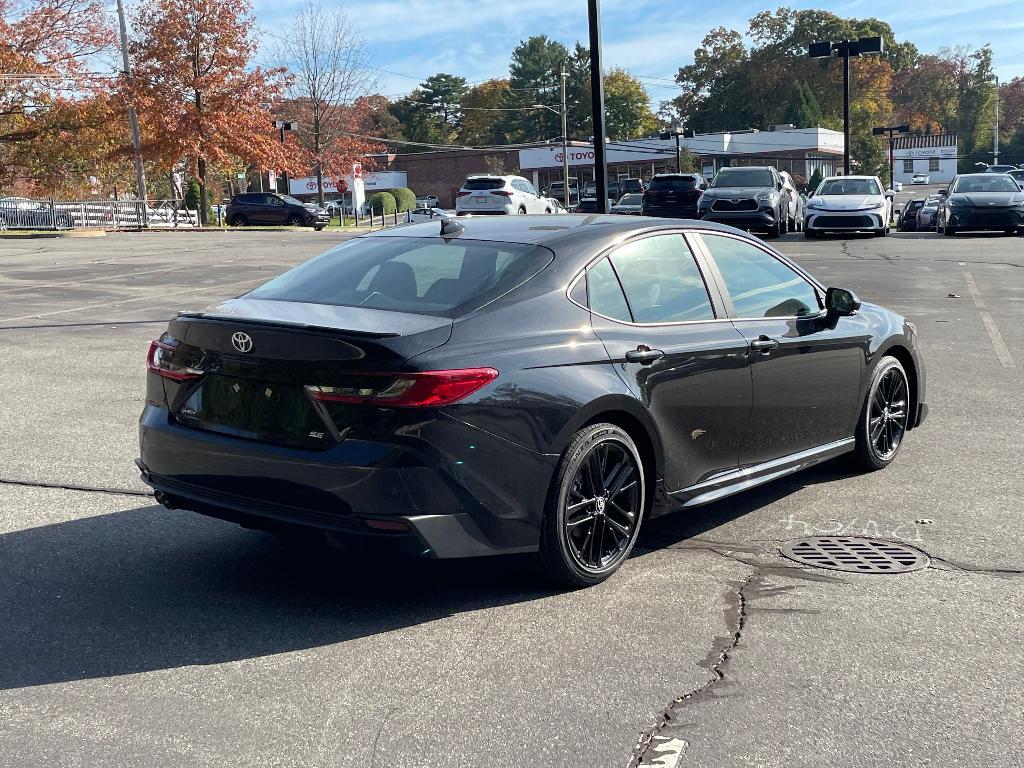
(241, 341)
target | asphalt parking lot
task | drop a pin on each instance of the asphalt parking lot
(133, 635)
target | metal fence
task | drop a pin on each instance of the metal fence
(25, 213)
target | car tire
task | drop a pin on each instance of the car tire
(948, 231)
(581, 513)
(238, 220)
(774, 232)
(884, 417)
(811, 234)
(294, 221)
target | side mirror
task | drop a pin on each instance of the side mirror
(890, 194)
(840, 302)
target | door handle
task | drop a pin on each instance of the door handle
(644, 355)
(763, 344)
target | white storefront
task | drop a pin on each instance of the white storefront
(932, 156)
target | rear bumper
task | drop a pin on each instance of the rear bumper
(682, 212)
(458, 490)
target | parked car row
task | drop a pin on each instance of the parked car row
(972, 202)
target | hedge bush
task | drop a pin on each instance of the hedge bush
(382, 202)
(404, 198)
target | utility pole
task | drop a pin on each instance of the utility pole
(133, 119)
(995, 136)
(597, 105)
(845, 49)
(679, 150)
(891, 130)
(565, 139)
(282, 126)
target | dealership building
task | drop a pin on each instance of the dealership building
(800, 151)
(934, 156)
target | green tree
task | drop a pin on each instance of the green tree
(193, 201)
(443, 94)
(627, 107)
(418, 122)
(533, 79)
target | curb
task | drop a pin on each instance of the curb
(9, 235)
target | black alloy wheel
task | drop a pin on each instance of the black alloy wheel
(294, 220)
(885, 415)
(595, 508)
(238, 220)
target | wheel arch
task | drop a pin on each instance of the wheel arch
(906, 359)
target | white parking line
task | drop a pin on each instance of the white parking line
(1001, 350)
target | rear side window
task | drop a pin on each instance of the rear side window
(481, 184)
(410, 274)
(684, 183)
(759, 284)
(661, 281)
(605, 292)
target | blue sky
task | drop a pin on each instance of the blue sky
(412, 39)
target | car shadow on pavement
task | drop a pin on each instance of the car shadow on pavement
(149, 589)
(677, 527)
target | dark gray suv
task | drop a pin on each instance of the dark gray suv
(263, 208)
(751, 197)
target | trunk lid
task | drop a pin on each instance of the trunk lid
(258, 356)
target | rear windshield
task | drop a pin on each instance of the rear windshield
(429, 276)
(684, 183)
(631, 199)
(478, 184)
(743, 178)
(849, 187)
(991, 182)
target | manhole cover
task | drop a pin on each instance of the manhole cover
(856, 555)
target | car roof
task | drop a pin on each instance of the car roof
(851, 176)
(550, 231)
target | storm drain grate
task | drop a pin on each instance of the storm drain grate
(856, 555)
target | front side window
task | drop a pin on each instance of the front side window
(661, 281)
(759, 284)
(409, 274)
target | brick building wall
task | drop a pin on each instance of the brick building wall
(442, 173)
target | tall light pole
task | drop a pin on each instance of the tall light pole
(995, 136)
(597, 105)
(845, 49)
(891, 130)
(565, 139)
(133, 118)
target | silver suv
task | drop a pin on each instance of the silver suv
(748, 197)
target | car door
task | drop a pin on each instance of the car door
(686, 364)
(806, 367)
(275, 211)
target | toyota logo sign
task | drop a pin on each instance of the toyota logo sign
(241, 341)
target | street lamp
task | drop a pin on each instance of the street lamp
(565, 140)
(687, 134)
(597, 104)
(891, 130)
(282, 126)
(845, 49)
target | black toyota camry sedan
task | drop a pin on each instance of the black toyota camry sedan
(979, 201)
(517, 384)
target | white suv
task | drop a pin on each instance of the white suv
(499, 195)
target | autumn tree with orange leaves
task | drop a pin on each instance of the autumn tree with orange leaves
(198, 96)
(57, 122)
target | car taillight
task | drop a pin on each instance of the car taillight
(461, 194)
(408, 390)
(158, 363)
(502, 192)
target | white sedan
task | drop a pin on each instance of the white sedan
(920, 178)
(848, 204)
